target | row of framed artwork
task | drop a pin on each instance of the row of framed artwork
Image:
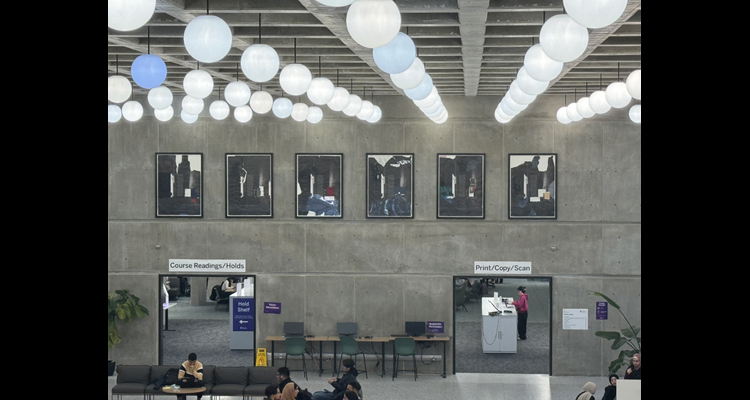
(532, 184)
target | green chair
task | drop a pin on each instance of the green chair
(296, 347)
(350, 347)
(405, 347)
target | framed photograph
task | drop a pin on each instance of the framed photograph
(390, 185)
(533, 186)
(320, 185)
(249, 185)
(461, 187)
(179, 185)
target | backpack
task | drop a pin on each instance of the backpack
(215, 292)
(304, 394)
(168, 379)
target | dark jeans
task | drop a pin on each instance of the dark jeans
(523, 320)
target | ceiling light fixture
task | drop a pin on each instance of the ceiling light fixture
(208, 38)
(129, 15)
(373, 23)
(260, 62)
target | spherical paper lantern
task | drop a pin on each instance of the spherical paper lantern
(584, 107)
(164, 115)
(198, 84)
(188, 118)
(572, 112)
(314, 115)
(336, 3)
(433, 97)
(422, 90)
(562, 115)
(320, 91)
(431, 109)
(119, 89)
(441, 119)
(540, 66)
(160, 97)
(396, 56)
(373, 23)
(502, 117)
(412, 77)
(237, 94)
(114, 113)
(595, 14)
(376, 115)
(261, 102)
(635, 113)
(192, 106)
(219, 110)
(563, 39)
(260, 63)
(598, 102)
(295, 79)
(530, 85)
(340, 99)
(148, 71)
(282, 107)
(634, 84)
(617, 95)
(512, 106)
(208, 38)
(129, 15)
(300, 112)
(519, 95)
(355, 105)
(132, 111)
(435, 113)
(367, 110)
(243, 114)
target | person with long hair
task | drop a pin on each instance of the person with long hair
(589, 390)
(522, 306)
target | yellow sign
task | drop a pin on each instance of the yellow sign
(262, 360)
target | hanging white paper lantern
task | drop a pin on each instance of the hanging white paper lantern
(243, 114)
(314, 115)
(572, 112)
(436, 113)
(198, 84)
(132, 111)
(433, 97)
(396, 56)
(114, 113)
(300, 112)
(634, 84)
(530, 85)
(583, 107)
(282, 107)
(355, 105)
(376, 115)
(295, 79)
(518, 95)
(261, 102)
(188, 118)
(595, 14)
(510, 107)
(160, 97)
(412, 77)
(598, 102)
(129, 15)
(617, 95)
(148, 71)
(540, 66)
(373, 23)
(441, 119)
(340, 99)
(431, 109)
(219, 110)
(192, 106)
(422, 90)
(635, 113)
(164, 115)
(119, 89)
(260, 63)
(336, 3)
(562, 115)
(208, 38)
(320, 91)
(367, 110)
(237, 94)
(502, 117)
(563, 39)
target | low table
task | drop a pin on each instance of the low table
(197, 390)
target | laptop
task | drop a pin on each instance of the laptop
(294, 329)
(347, 328)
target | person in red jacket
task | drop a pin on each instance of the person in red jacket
(522, 306)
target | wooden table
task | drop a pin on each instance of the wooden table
(185, 391)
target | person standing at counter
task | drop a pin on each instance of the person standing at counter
(522, 306)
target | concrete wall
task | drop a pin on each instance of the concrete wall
(382, 273)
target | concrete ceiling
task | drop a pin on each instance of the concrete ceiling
(469, 47)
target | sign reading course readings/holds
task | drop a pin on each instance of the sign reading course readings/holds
(231, 266)
(502, 268)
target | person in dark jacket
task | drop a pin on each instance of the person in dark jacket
(339, 385)
(610, 392)
(634, 371)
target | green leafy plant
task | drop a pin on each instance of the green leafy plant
(124, 307)
(629, 337)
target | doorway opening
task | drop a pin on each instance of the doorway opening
(472, 352)
(197, 317)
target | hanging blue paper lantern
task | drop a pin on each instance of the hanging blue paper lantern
(397, 56)
(149, 71)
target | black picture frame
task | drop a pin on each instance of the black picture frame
(249, 185)
(320, 185)
(461, 190)
(532, 186)
(390, 185)
(179, 185)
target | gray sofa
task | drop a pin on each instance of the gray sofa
(247, 382)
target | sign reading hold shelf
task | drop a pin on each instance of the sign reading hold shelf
(502, 268)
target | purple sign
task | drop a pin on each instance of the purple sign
(602, 310)
(435, 327)
(272, 308)
(244, 314)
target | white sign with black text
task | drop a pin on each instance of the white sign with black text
(192, 266)
(502, 268)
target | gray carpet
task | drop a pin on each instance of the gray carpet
(533, 354)
(209, 339)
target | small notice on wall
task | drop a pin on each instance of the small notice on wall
(575, 320)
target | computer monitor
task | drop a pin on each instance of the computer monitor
(416, 328)
(294, 329)
(347, 328)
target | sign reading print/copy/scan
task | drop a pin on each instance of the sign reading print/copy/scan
(502, 268)
(231, 266)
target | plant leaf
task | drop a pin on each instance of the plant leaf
(612, 302)
(608, 335)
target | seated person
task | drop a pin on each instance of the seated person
(355, 388)
(191, 374)
(273, 393)
(340, 385)
(228, 286)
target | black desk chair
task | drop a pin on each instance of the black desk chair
(350, 347)
(220, 298)
(405, 347)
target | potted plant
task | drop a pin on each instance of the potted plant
(628, 336)
(122, 306)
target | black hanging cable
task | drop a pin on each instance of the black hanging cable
(148, 41)
(295, 50)
(260, 28)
